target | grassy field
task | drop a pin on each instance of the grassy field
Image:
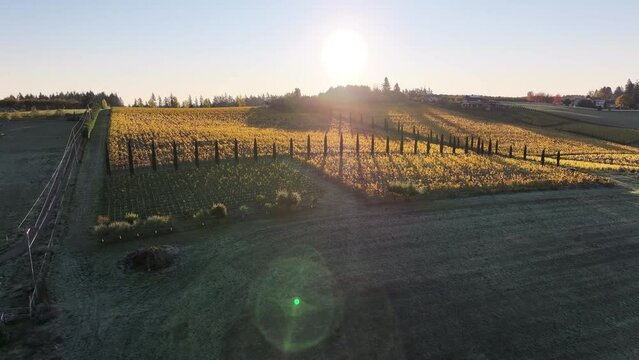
(617, 126)
(31, 149)
(616, 118)
(533, 275)
(493, 276)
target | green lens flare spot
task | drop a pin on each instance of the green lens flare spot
(296, 301)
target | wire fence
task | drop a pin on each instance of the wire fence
(39, 224)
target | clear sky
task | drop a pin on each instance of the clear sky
(251, 47)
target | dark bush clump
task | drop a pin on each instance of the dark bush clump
(408, 189)
(219, 211)
(151, 258)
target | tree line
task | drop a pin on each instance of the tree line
(67, 100)
(626, 97)
(225, 100)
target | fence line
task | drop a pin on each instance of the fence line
(48, 206)
(196, 148)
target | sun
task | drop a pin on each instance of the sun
(345, 54)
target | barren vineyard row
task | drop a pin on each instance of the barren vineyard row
(428, 171)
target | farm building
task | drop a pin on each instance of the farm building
(477, 102)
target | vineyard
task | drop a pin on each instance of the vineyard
(231, 155)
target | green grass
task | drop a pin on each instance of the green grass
(91, 123)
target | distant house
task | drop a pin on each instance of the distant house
(477, 102)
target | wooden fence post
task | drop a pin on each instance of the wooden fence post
(525, 151)
(401, 143)
(543, 156)
(254, 148)
(308, 147)
(450, 139)
(325, 145)
(558, 156)
(482, 147)
(130, 151)
(466, 146)
(290, 148)
(472, 142)
(428, 147)
(274, 152)
(108, 160)
(510, 151)
(175, 156)
(441, 144)
(416, 140)
(341, 144)
(497, 147)
(357, 145)
(387, 145)
(236, 152)
(478, 145)
(373, 144)
(490, 146)
(154, 159)
(414, 131)
(197, 155)
(217, 153)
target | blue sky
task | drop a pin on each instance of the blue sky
(243, 47)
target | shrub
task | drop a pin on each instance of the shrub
(156, 222)
(287, 200)
(120, 228)
(103, 220)
(260, 200)
(219, 211)
(408, 189)
(131, 217)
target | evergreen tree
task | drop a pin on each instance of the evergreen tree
(386, 88)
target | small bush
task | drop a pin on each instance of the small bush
(131, 217)
(408, 189)
(260, 200)
(155, 223)
(219, 211)
(103, 220)
(120, 228)
(287, 200)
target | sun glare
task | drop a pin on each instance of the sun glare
(344, 55)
